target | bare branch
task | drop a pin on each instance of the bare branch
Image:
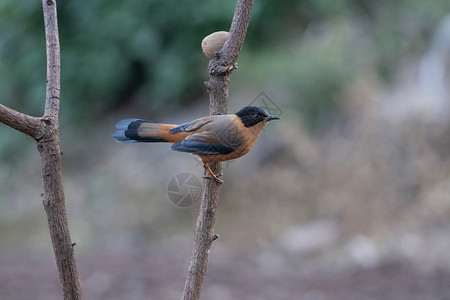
(53, 59)
(24, 123)
(224, 62)
(220, 68)
(49, 149)
(45, 131)
(238, 30)
(203, 238)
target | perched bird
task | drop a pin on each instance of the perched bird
(213, 138)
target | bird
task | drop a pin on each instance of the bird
(213, 138)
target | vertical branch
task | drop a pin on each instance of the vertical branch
(45, 130)
(220, 68)
(49, 149)
(53, 59)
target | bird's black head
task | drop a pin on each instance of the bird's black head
(252, 115)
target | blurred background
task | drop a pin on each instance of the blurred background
(347, 197)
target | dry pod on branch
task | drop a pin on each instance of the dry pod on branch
(214, 42)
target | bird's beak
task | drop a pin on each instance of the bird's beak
(270, 118)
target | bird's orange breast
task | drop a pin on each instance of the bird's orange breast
(245, 136)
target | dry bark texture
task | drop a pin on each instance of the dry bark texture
(45, 131)
(220, 68)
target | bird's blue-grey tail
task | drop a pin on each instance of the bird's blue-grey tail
(122, 127)
(137, 130)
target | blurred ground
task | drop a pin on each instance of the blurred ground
(155, 274)
(356, 212)
(351, 204)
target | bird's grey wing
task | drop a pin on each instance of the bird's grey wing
(204, 143)
(192, 125)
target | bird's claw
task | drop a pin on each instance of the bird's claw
(213, 176)
(217, 179)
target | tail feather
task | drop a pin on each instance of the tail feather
(137, 130)
(122, 127)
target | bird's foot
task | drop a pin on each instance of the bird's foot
(215, 177)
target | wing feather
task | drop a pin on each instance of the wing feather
(192, 125)
(203, 143)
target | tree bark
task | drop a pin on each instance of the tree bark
(45, 130)
(19, 121)
(220, 68)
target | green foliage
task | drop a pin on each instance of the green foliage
(146, 53)
(113, 52)
(309, 74)
(333, 43)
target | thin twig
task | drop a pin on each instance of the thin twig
(220, 68)
(53, 59)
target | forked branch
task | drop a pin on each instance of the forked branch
(45, 130)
